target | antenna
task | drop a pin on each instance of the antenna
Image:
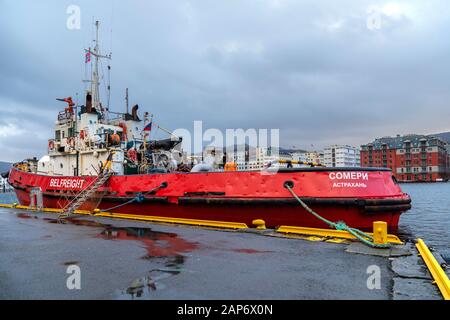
(126, 99)
(95, 82)
(109, 87)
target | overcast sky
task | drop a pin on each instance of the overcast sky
(323, 72)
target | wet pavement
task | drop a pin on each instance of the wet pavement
(133, 260)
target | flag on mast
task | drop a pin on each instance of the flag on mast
(87, 57)
(148, 127)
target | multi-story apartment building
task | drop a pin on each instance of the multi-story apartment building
(314, 156)
(411, 157)
(246, 157)
(4, 185)
(257, 158)
(299, 156)
(341, 156)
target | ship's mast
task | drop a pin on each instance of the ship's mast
(95, 80)
(126, 100)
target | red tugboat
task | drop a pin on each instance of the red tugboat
(99, 159)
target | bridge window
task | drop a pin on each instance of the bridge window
(57, 135)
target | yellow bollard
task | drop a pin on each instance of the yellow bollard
(260, 224)
(380, 232)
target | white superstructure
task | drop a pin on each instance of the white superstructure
(89, 136)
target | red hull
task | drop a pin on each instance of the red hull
(354, 195)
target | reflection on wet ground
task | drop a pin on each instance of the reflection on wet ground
(250, 251)
(158, 244)
(25, 216)
(142, 288)
(77, 222)
(164, 246)
(128, 260)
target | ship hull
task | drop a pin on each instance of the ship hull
(357, 196)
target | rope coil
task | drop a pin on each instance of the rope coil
(340, 225)
(139, 197)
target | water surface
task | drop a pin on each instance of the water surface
(429, 217)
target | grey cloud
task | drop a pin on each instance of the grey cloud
(311, 68)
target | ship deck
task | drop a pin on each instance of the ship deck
(132, 260)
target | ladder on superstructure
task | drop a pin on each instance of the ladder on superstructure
(85, 194)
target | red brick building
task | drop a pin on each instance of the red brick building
(411, 157)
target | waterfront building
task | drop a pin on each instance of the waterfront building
(411, 157)
(315, 157)
(256, 158)
(251, 158)
(4, 185)
(341, 156)
(300, 156)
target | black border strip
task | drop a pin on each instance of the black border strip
(292, 201)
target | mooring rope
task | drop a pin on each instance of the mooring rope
(340, 225)
(138, 198)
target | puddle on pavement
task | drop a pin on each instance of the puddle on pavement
(77, 222)
(224, 245)
(25, 216)
(142, 288)
(250, 251)
(157, 244)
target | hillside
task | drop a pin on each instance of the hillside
(444, 136)
(4, 166)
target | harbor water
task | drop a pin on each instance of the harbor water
(428, 219)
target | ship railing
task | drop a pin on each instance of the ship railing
(64, 116)
(292, 162)
(118, 117)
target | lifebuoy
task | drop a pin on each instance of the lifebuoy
(115, 139)
(51, 145)
(71, 141)
(82, 134)
(132, 155)
(124, 131)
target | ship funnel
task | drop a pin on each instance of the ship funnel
(88, 103)
(134, 113)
